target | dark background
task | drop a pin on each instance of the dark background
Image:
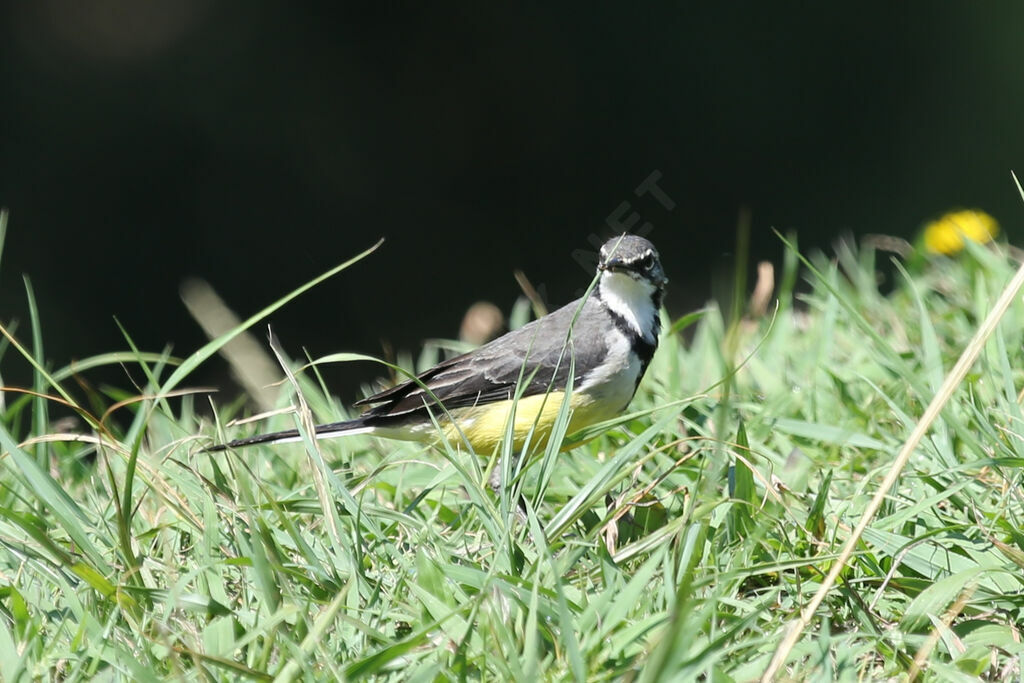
(257, 144)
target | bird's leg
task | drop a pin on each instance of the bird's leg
(494, 481)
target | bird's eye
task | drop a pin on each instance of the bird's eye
(648, 261)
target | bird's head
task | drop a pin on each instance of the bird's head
(632, 283)
(632, 257)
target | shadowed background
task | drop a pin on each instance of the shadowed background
(256, 145)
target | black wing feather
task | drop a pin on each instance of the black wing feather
(533, 353)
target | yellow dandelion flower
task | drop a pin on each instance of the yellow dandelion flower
(946, 234)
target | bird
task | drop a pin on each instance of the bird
(603, 342)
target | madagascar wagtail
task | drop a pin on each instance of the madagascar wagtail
(605, 340)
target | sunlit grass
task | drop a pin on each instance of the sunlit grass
(677, 544)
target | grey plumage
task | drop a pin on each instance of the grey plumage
(537, 353)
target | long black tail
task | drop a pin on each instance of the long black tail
(326, 431)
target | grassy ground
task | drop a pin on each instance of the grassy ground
(678, 545)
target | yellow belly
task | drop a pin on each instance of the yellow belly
(485, 426)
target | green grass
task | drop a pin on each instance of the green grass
(677, 545)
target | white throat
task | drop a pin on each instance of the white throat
(632, 300)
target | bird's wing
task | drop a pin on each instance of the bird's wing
(537, 354)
